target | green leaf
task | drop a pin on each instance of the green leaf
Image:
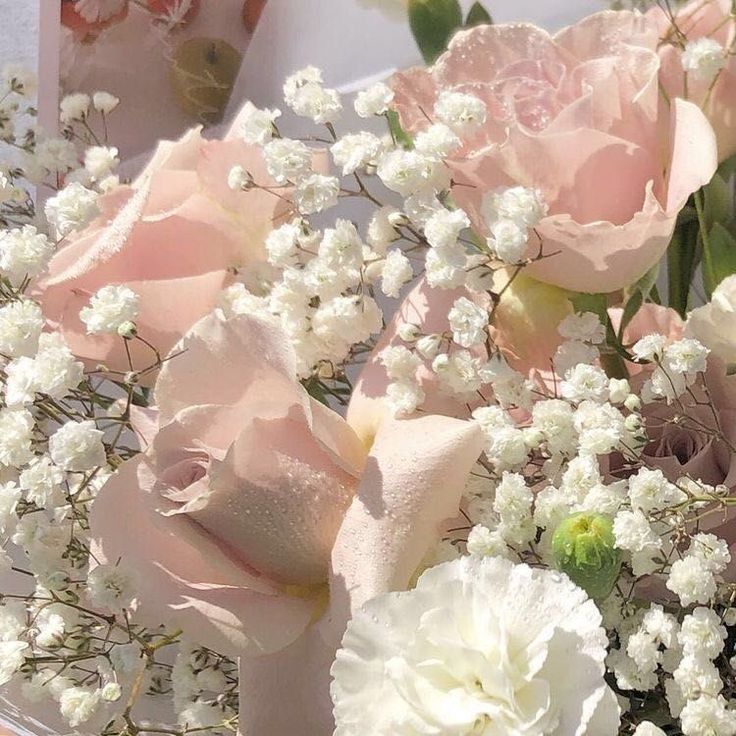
(683, 256)
(718, 201)
(596, 303)
(397, 132)
(478, 16)
(636, 295)
(433, 23)
(633, 305)
(719, 257)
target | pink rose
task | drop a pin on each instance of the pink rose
(714, 20)
(175, 237)
(258, 520)
(579, 116)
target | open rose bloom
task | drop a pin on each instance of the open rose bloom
(424, 427)
(580, 117)
(256, 516)
(176, 236)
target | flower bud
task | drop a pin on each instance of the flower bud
(632, 402)
(127, 330)
(584, 547)
(409, 332)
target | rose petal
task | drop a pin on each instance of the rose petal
(185, 580)
(248, 356)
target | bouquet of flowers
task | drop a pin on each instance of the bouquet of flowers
(425, 428)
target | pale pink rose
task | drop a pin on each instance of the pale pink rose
(579, 116)
(700, 19)
(175, 237)
(257, 519)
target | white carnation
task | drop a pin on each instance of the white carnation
(533, 652)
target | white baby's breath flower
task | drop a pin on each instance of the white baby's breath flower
(692, 581)
(24, 252)
(111, 587)
(100, 161)
(649, 347)
(110, 308)
(404, 397)
(21, 323)
(702, 634)
(74, 107)
(16, 432)
(585, 326)
(104, 102)
(71, 209)
(708, 715)
(483, 542)
(313, 101)
(460, 111)
(714, 552)
(399, 650)
(703, 58)
(437, 141)
(256, 124)
(396, 272)
(316, 193)
(521, 205)
(468, 322)
(443, 228)
(78, 705)
(585, 382)
(374, 100)
(287, 159)
(11, 659)
(508, 241)
(409, 172)
(355, 151)
(77, 446)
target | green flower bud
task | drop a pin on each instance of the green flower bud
(584, 547)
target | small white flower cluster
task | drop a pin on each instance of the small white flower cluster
(205, 689)
(112, 309)
(510, 214)
(703, 58)
(677, 365)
